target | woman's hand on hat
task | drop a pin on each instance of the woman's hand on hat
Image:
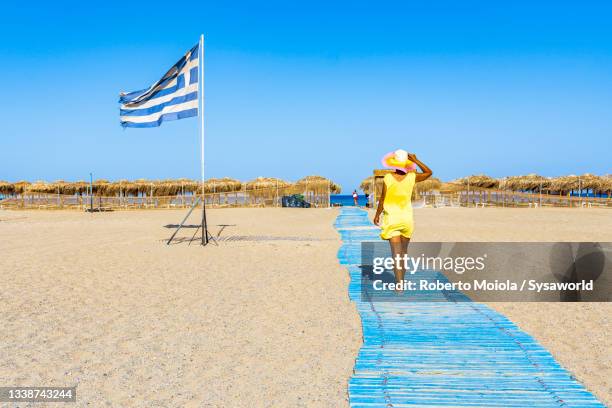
(412, 156)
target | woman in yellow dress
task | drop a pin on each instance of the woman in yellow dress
(395, 203)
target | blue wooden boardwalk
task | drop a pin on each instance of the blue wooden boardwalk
(445, 354)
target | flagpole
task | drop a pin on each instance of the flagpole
(201, 122)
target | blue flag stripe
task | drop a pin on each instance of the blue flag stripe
(157, 108)
(165, 117)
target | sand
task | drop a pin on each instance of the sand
(98, 301)
(513, 224)
(263, 319)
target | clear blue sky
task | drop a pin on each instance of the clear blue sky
(310, 88)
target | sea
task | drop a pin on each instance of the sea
(347, 199)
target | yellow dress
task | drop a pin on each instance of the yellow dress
(397, 207)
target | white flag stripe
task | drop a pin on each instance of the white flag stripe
(155, 116)
(153, 102)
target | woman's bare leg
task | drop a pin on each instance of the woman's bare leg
(404, 248)
(396, 249)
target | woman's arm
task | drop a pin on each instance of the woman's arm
(426, 171)
(381, 202)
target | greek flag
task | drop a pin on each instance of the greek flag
(173, 97)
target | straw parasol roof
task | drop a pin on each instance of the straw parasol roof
(40, 187)
(222, 185)
(101, 187)
(452, 186)
(529, 182)
(75, 187)
(188, 185)
(6, 187)
(591, 182)
(148, 187)
(366, 185)
(58, 186)
(606, 183)
(479, 180)
(123, 186)
(21, 186)
(261, 183)
(431, 183)
(318, 183)
(564, 183)
(164, 187)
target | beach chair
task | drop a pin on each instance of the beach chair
(418, 204)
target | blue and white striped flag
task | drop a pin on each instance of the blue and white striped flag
(173, 97)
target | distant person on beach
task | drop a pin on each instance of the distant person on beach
(395, 203)
(355, 196)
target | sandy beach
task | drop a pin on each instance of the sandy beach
(98, 301)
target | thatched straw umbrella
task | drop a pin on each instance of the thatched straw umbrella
(166, 187)
(367, 185)
(76, 187)
(265, 187)
(21, 187)
(318, 184)
(564, 184)
(184, 186)
(591, 182)
(263, 183)
(190, 186)
(40, 187)
(116, 188)
(451, 186)
(606, 184)
(530, 182)
(225, 185)
(58, 187)
(222, 185)
(128, 188)
(480, 181)
(6, 188)
(100, 187)
(568, 184)
(431, 183)
(142, 186)
(316, 189)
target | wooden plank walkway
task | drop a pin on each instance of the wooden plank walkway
(445, 353)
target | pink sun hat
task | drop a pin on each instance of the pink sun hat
(398, 160)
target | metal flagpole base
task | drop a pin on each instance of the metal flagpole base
(207, 237)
